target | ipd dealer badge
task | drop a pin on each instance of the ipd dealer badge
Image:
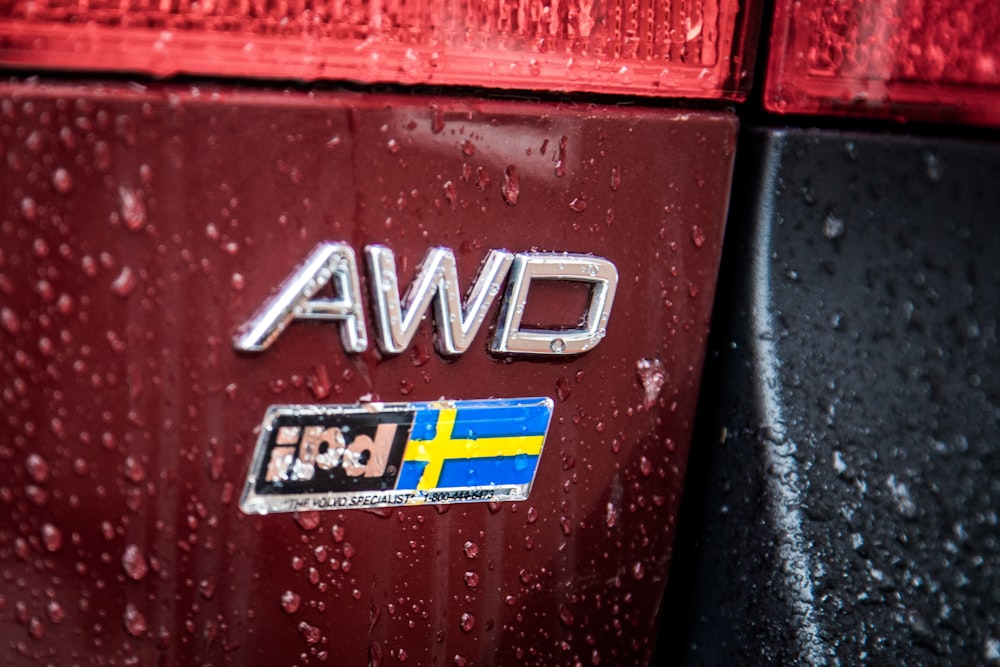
(315, 457)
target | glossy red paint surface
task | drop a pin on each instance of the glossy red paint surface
(140, 226)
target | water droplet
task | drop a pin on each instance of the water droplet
(310, 633)
(10, 321)
(108, 440)
(134, 621)
(611, 515)
(29, 209)
(450, 194)
(839, 464)
(102, 156)
(833, 227)
(134, 471)
(318, 381)
(38, 468)
(471, 579)
(67, 138)
(62, 181)
(55, 611)
(511, 188)
(45, 290)
(307, 520)
(35, 142)
(124, 283)
(467, 622)
(133, 211)
(638, 571)
(290, 602)
(616, 178)
(808, 196)
(557, 345)
(652, 377)
(471, 550)
(51, 537)
(566, 616)
(36, 629)
(560, 170)
(89, 266)
(64, 305)
(482, 178)
(933, 168)
(125, 127)
(697, 236)
(579, 205)
(563, 388)
(419, 354)
(532, 514)
(903, 499)
(36, 494)
(468, 148)
(437, 119)
(238, 282)
(645, 466)
(134, 563)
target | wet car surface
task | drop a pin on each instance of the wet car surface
(172, 172)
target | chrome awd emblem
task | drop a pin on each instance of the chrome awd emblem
(396, 320)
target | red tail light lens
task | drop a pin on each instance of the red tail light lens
(932, 60)
(670, 48)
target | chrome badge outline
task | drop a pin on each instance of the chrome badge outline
(379, 472)
(334, 263)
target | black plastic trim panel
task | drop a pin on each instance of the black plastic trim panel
(843, 496)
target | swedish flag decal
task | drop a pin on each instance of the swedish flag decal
(325, 457)
(475, 444)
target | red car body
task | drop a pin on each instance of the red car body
(144, 221)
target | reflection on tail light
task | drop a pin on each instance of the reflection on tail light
(675, 48)
(898, 58)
